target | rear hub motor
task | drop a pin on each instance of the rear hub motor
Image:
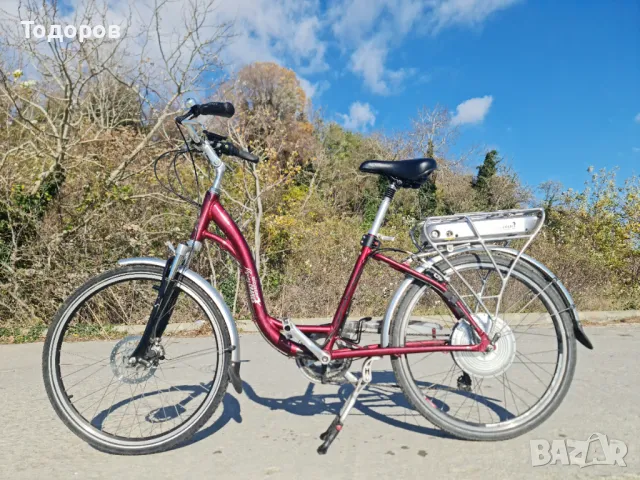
(499, 355)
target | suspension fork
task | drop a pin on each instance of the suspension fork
(165, 302)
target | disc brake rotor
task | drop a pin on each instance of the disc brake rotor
(119, 361)
(489, 363)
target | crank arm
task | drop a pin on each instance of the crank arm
(293, 333)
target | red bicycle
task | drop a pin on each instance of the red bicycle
(139, 358)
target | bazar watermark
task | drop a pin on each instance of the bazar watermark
(595, 450)
(60, 33)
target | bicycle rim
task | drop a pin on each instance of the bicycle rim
(123, 407)
(470, 398)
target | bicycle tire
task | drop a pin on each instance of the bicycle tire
(432, 412)
(60, 401)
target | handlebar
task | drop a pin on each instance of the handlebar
(218, 109)
(224, 146)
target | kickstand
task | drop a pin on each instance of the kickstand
(336, 426)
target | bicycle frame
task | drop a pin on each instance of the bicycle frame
(235, 244)
(134, 359)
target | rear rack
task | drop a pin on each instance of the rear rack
(439, 235)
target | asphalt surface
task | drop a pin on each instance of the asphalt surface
(271, 431)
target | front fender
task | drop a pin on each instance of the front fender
(581, 336)
(211, 292)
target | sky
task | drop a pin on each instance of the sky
(554, 86)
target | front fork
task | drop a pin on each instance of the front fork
(165, 302)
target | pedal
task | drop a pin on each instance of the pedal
(464, 382)
(330, 435)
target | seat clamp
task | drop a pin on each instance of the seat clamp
(370, 241)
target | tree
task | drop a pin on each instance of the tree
(486, 172)
(65, 105)
(432, 133)
(271, 121)
(551, 200)
(267, 88)
(592, 237)
(428, 193)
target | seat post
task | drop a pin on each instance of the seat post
(382, 209)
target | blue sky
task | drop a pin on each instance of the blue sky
(564, 78)
(555, 83)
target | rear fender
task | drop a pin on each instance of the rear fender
(581, 336)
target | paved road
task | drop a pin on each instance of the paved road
(272, 430)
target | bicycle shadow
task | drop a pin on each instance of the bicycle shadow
(381, 394)
(230, 410)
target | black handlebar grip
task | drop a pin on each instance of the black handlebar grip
(249, 157)
(243, 154)
(219, 109)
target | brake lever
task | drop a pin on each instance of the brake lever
(181, 118)
(214, 136)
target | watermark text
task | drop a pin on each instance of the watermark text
(596, 450)
(60, 33)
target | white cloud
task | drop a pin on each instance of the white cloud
(470, 13)
(308, 47)
(298, 33)
(360, 117)
(368, 61)
(371, 29)
(472, 111)
(286, 31)
(308, 87)
(354, 21)
(636, 149)
(313, 89)
(637, 118)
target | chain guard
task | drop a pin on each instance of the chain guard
(315, 372)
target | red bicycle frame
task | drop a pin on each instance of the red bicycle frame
(235, 243)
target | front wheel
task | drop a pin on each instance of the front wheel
(492, 395)
(145, 408)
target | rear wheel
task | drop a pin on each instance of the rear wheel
(147, 408)
(495, 395)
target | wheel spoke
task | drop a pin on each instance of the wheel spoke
(111, 396)
(83, 368)
(461, 386)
